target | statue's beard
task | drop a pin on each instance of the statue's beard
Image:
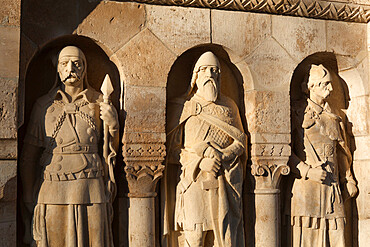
(209, 91)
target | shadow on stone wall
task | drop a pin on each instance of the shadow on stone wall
(40, 77)
(339, 102)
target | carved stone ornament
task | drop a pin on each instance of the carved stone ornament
(321, 178)
(143, 167)
(206, 147)
(269, 161)
(318, 9)
(71, 198)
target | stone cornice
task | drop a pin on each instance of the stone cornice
(328, 10)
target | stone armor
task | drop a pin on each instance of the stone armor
(70, 136)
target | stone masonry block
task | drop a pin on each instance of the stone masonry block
(8, 180)
(8, 149)
(113, 24)
(10, 12)
(8, 108)
(179, 28)
(9, 50)
(346, 38)
(299, 36)
(267, 112)
(241, 32)
(8, 211)
(145, 109)
(271, 66)
(145, 60)
(8, 234)
(358, 115)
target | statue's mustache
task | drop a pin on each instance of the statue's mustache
(72, 75)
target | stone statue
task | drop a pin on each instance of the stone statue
(320, 166)
(71, 196)
(206, 138)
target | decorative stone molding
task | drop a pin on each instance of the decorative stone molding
(269, 163)
(143, 167)
(304, 8)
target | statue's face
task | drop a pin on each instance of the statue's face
(71, 69)
(208, 83)
(322, 89)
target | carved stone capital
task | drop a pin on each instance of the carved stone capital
(143, 167)
(269, 163)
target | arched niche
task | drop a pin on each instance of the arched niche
(40, 76)
(179, 78)
(339, 102)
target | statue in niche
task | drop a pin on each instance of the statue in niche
(321, 168)
(206, 138)
(71, 197)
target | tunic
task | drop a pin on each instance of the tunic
(72, 202)
(316, 210)
(213, 203)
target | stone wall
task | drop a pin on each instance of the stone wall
(144, 42)
(9, 76)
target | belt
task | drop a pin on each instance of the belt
(75, 149)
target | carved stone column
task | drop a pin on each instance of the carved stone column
(269, 163)
(143, 170)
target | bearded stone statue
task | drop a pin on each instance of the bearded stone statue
(206, 140)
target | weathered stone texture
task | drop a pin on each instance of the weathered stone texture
(179, 28)
(145, 60)
(8, 211)
(145, 108)
(9, 50)
(240, 32)
(113, 24)
(300, 37)
(8, 108)
(8, 149)
(8, 234)
(352, 38)
(10, 12)
(271, 66)
(267, 112)
(8, 180)
(358, 114)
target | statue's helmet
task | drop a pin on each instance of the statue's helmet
(206, 59)
(317, 73)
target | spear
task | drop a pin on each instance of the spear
(106, 89)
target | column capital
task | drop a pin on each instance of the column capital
(269, 163)
(143, 167)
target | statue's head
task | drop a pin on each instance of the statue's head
(71, 66)
(319, 82)
(206, 76)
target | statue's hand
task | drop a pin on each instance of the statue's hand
(109, 115)
(317, 174)
(351, 188)
(210, 165)
(212, 153)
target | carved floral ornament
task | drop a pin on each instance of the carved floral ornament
(303, 8)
